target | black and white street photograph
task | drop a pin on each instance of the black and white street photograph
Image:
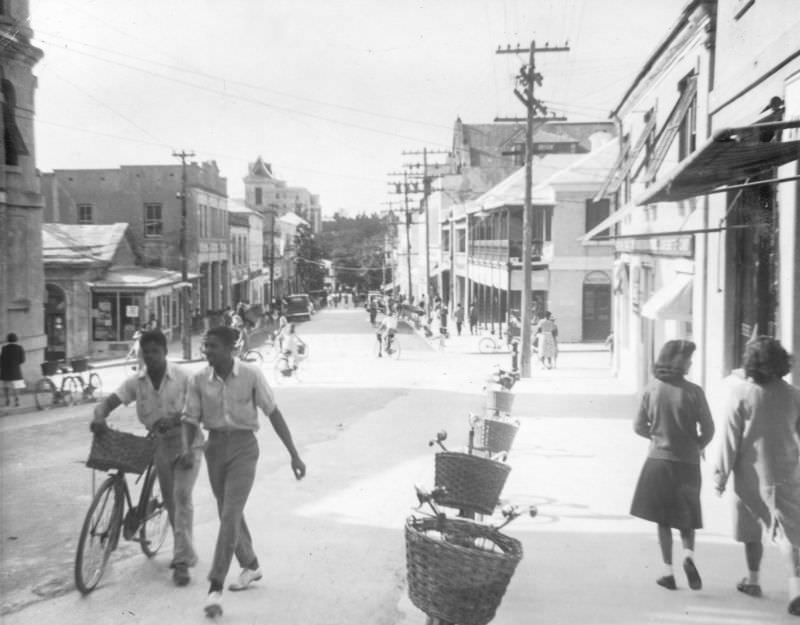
(447, 312)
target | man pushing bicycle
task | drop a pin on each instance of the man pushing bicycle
(159, 390)
(386, 332)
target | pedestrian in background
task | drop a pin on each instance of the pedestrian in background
(473, 319)
(459, 316)
(224, 398)
(675, 417)
(760, 447)
(548, 348)
(11, 358)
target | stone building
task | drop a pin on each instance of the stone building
(21, 272)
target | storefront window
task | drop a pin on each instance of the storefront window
(115, 316)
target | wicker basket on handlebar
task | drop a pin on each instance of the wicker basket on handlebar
(495, 435)
(120, 450)
(470, 482)
(458, 570)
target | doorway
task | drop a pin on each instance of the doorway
(55, 322)
(596, 306)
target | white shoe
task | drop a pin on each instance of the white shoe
(213, 604)
(246, 577)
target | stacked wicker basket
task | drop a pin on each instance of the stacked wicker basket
(458, 568)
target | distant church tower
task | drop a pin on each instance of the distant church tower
(22, 285)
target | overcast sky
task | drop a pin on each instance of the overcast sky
(328, 91)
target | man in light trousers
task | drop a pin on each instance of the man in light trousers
(224, 398)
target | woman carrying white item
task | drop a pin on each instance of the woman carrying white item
(547, 347)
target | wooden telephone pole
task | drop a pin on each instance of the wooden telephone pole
(186, 309)
(529, 77)
(404, 189)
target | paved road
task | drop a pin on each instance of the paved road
(332, 544)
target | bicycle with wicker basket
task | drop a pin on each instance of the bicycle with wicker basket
(458, 569)
(113, 512)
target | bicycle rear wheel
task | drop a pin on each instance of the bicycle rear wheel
(155, 519)
(487, 345)
(99, 536)
(253, 355)
(44, 393)
(96, 386)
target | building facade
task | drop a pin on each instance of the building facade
(482, 246)
(706, 228)
(22, 290)
(148, 197)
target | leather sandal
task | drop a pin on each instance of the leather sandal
(752, 590)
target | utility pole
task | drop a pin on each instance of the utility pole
(528, 76)
(426, 192)
(273, 209)
(186, 316)
(405, 191)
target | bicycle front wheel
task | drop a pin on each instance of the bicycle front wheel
(99, 536)
(70, 390)
(393, 351)
(95, 386)
(155, 518)
(487, 345)
(44, 393)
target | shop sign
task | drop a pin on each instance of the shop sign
(132, 311)
(668, 246)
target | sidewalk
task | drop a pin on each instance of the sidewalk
(113, 366)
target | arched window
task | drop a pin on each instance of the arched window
(13, 143)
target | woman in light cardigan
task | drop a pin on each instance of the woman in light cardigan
(760, 448)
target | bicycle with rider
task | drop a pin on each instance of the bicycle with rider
(386, 332)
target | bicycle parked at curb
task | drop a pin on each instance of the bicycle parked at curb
(113, 513)
(490, 344)
(64, 386)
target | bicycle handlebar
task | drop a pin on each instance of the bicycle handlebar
(441, 436)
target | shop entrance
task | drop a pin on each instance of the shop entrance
(55, 322)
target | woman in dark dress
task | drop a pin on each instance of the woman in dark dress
(674, 415)
(11, 358)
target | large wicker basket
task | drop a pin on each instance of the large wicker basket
(470, 482)
(495, 435)
(501, 401)
(453, 574)
(120, 450)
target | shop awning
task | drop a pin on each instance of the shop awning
(613, 219)
(672, 301)
(731, 156)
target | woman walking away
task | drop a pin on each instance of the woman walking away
(11, 358)
(674, 415)
(548, 332)
(760, 448)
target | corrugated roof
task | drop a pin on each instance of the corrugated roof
(292, 219)
(81, 244)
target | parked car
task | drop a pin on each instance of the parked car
(299, 306)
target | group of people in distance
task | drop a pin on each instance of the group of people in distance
(758, 449)
(223, 399)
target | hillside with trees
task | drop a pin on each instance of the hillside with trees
(356, 247)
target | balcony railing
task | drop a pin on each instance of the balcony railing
(501, 250)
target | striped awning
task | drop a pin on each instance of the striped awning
(732, 155)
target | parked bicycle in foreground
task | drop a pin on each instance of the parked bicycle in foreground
(113, 511)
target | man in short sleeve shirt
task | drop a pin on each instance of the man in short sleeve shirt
(159, 390)
(224, 398)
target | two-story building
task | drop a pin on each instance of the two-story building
(482, 244)
(249, 275)
(706, 189)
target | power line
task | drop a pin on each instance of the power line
(244, 98)
(228, 81)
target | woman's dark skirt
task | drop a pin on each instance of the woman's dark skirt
(668, 493)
